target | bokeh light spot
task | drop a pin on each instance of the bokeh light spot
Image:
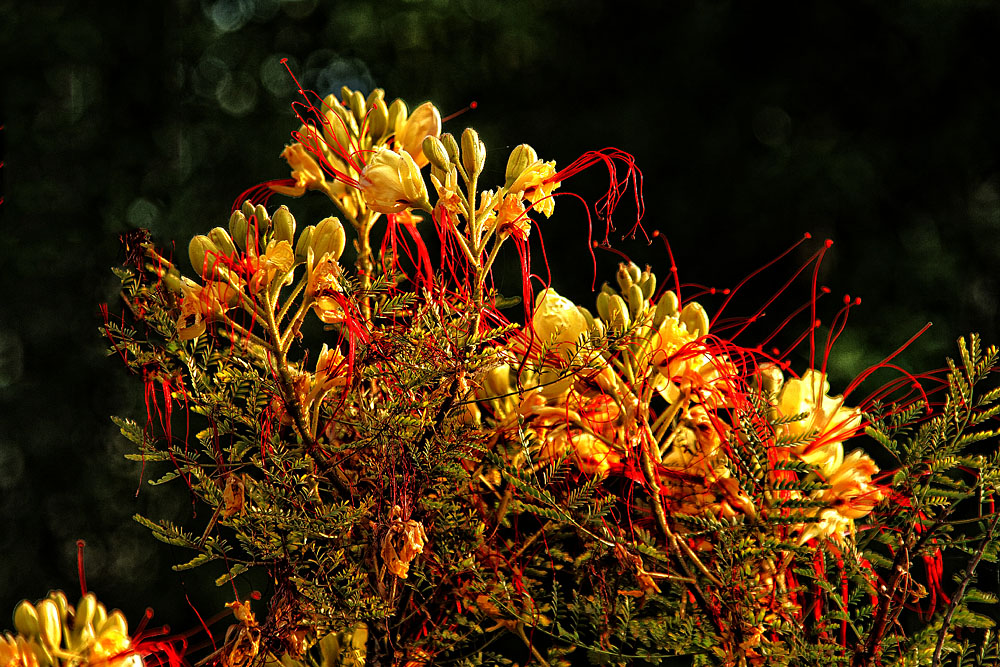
(276, 78)
(208, 74)
(337, 72)
(772, 126)
(142, 213)
(237, 94)
(229, 15)
(11, 358)
(11, 465)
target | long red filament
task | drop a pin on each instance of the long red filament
(80, 544)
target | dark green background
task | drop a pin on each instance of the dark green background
(873, 123)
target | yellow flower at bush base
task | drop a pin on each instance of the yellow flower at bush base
(16, 652)
(593, 456)
(112, 649)
(391, 182)
(826, 424)
(404, 542)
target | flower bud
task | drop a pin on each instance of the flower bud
(85, 611)
(284, 224)
(26, 619)
(100, 614)
(588, 316)
(473, 152)
(171, 279)
(618, 317)
(114, 622)
(625, 276)
(203, 254)
(62, 604)
(220, 237)
(425, 121)
(339, 127)
(436, 154)
(328, 238)
(634, 271)
(391, 182)
(604, 306)
(450, 146)
(374, 97)
(694, 317)
(302, 247)
(636, 302)
(247, 209)
(49, 625)
(238, 229)
(665, 307)
(356, 101)
(378, 117)
(520, 158)
(648, 284)
(397, 114)
(263, 219)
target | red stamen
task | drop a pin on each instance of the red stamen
(617, 188)
(80, 544)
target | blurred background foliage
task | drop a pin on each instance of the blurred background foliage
(871, 123)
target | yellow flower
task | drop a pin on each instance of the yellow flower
(391, 182)
(16, 652)
(851, 486)
(826, 424)
(532, 185)
(404, 541)
(202, 303)
(593, 456)
(278, 258)
(324, 289)
(306, 172)
(112, 649)
(425, 121)
(331, 372)
(557, 321)
(512, 218)
(448, 198)
(666, 344)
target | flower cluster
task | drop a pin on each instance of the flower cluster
(415, 470)
(53, 633)
(644, 390)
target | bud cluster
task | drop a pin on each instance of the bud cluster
(53, 633)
